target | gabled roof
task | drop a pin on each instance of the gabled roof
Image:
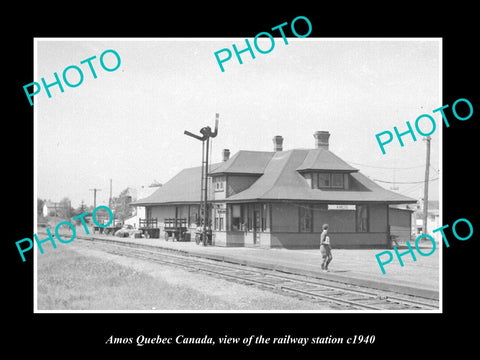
(182, 188)
(322, 159)
(245, 162)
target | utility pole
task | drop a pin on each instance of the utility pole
(425, 193)
(110, 198)
(95, 196)
(55, 204)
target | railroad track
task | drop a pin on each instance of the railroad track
(347, 296)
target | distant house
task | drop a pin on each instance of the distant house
(433, 218)
(280, 198)
(139, 211)
(50, 208)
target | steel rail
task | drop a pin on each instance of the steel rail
(252, 275)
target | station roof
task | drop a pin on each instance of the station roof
(279, 179)
(182, 188)
(282, 181)
(324, 160)
(245, 162)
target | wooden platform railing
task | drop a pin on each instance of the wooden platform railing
(148, 223)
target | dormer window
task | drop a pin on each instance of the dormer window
(337, 181)
(330, 180)
(324, 170)
(326, 180)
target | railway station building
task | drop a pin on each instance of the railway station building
(281, 198)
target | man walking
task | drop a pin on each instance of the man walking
(325, 249)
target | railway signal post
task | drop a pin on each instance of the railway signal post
(205, 139)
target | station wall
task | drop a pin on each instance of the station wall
(338, 240)
(337, 220)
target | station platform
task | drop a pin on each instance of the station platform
(354, 266)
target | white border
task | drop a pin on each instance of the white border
(436, 311)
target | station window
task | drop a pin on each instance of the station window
(306, 218)
(264, 217)
(219, 215)
(250, 217)
(337, 180)
(236, 217)
(329, 180)
(194, 215)
(219, 183)
(362, 218)
(323, 180)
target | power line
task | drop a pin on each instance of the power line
(404, 182)
(386, 167)
(412, 189)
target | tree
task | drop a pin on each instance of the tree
(121, 205)
(82, 208)
(65, 208)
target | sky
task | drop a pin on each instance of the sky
(127, 125)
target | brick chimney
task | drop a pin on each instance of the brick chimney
(277, 143)
(321, 139)
(226, 154)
